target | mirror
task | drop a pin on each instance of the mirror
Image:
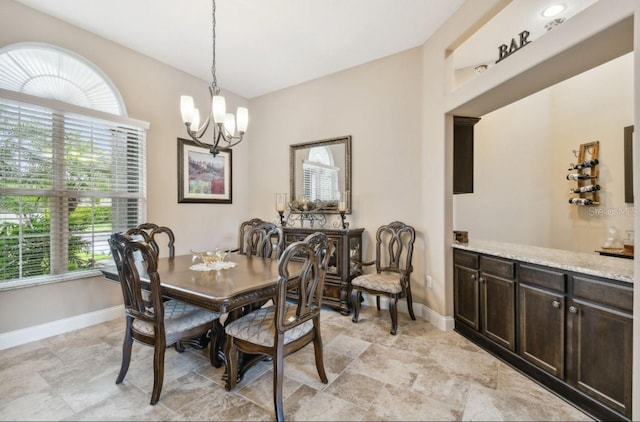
(319, 171)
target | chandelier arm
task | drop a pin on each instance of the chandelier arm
(201, 131)
(198, 141)
(239, 139)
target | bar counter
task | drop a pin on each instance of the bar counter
(582, 262)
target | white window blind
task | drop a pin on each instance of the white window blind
(69, 177)
(319, 181)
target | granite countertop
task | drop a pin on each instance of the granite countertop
(581, 262)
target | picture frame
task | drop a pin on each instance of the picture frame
(203, 178)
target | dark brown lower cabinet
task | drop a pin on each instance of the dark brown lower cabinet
(568, 331)
(485, 297)
(600, 340)
(467, 296)
(541, 303)
(498, 298)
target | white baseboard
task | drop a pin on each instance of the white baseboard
(53, 328)
(444, 323)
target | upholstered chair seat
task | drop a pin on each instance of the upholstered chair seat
(259, 327)
(388, 283)
(178, 317)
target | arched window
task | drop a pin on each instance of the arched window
(72, 165)
(319, 175)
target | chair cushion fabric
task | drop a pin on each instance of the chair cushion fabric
(259, 327)
(178, 316)
(385, 282)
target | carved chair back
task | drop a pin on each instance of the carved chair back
(245, 228)
(142, 304)
(315, 251)
(265, 240)
(394, 248)
(151, 232)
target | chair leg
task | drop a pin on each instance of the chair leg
(378, 302)
(356, 294)
(393, 310)
(158, 372)
(126, 351)
(278, 378)
(317, 347)
(410, 303)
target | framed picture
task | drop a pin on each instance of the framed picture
(203, 178)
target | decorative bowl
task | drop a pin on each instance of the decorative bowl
(210, 257)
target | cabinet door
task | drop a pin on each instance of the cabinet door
(542, 328)
(600, 360)
(466, 296)
(498, 310)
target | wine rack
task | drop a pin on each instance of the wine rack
(585, 174)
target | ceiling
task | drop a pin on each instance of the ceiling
(261, 45)
(266, 45)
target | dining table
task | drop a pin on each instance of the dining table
(231, 290)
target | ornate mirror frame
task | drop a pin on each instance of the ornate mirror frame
(340, 149)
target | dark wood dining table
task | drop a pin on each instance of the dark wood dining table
(234, 291)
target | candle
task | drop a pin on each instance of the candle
(342, 201)
(281, 200)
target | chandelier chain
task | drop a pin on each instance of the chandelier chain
(214, 82)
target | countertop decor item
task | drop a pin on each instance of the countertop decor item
(215, 260)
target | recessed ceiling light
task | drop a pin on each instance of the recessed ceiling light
(553, 10)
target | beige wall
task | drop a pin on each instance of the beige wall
(378, 104)
(522, 154)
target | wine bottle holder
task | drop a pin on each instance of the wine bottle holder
(585, 175)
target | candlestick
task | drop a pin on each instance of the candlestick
(345, 225)
(281, 204)
(281, 201)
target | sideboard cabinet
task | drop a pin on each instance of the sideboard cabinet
(571, 332)
(342, 265)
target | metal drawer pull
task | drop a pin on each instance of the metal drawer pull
(573, 309)
(555, 304)
(473, 276)
(480, 280)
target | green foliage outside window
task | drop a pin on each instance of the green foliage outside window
(26, 163)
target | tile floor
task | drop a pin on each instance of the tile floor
(420, 374)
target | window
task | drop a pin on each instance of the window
(71, 171)
(319, 175)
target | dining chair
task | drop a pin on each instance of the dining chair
(394, 251)
(245, 228)
(285, 327)
(150, 231)
(162, 324)
(265, 240)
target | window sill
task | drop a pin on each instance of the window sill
(48, 279)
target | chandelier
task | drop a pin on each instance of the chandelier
(224, 124)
